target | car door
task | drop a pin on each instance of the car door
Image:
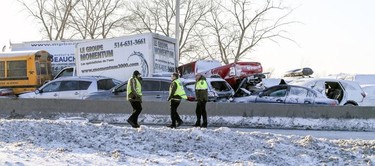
(276, 94)
(298, 95)
(164, 89)
(151, 90)
(335, 90)
(369, 100)
(84, 88)
(69, 90)
(119, 93)
(353, 91)
(49, 91)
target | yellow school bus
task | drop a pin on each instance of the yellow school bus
(25, 71)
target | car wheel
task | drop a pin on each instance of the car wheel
(349, 104)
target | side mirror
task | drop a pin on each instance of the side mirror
(114, 91)
(38, 91)
(46, 81)
(261, 94)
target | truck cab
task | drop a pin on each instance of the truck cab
(66, 72)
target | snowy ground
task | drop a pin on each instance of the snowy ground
(78, 142)
(247, 122)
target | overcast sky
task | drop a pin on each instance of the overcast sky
(335, 36)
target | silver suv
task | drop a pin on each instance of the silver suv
(72, 87)
(153, 89)
(157, 89)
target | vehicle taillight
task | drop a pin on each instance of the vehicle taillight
(334, 103)
(191, 98)
(4, 93)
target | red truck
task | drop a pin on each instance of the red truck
(189, 70)
(233, 73)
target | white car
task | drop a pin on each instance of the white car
(370, 95)
(6, 93)
(218, 89)
(344, 91)
(71, 87)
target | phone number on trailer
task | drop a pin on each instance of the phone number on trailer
(130, 43)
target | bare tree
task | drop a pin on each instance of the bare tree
(158, 16)
(63, 19)
(235, 28)
(97, 18)
(152, 16)
(52, 14)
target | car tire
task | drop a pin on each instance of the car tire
(349, 104)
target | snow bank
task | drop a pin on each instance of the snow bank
(75, 141)
(252, 122)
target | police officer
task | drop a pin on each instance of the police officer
(134, 96)
(201, 93)
(176, 93)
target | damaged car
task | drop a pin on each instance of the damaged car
(286, 94)
(346, 92)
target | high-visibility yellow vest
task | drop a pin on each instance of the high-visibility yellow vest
(138, 87)
(201, 85)
(180, 89)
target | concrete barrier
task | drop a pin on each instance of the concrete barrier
(220, 114)
(49, 107)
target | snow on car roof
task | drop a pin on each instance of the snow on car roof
(305, 80)
(91, 78)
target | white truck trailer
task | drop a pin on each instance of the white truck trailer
(118, 57)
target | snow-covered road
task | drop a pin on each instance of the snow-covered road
(76, 142)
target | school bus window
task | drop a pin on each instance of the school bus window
(49, 68)
(37, 65)
(2, 69)
(17, 69)
(43, 70)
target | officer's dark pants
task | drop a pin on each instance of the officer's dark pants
(174, 115)
(200, 111)
(137, 109)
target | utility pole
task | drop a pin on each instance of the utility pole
(177, 36)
